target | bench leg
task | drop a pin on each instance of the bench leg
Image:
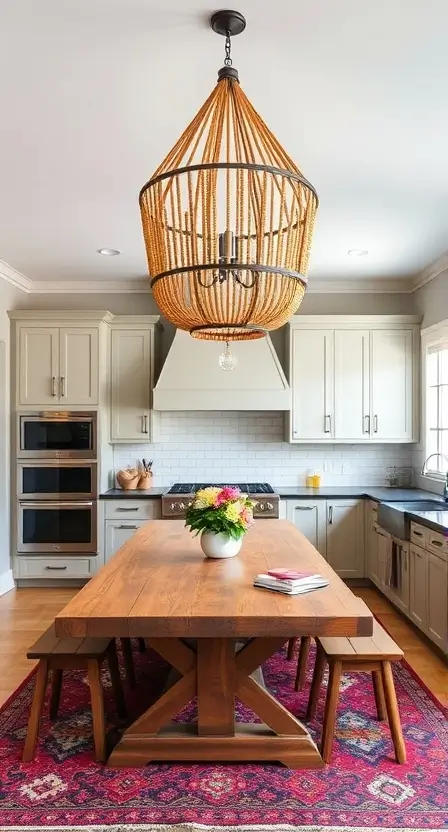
(96, 697)
(380, 700)
(304, 652)
(37, 705)
(316, 684)
(56, 684)
(331, 705)
(292, 644)
(126, 647)
(114, 670)
(393, 713)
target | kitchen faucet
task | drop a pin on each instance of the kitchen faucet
(424, 471)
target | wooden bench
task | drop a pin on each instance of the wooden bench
(58, 655)
(371, 654)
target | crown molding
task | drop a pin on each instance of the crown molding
(15, 278)
(91, 287)
(433, 270)
(361, 286)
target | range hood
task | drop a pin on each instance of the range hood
(191, 378)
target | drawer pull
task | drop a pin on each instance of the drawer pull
(304, 508)
(418, 534)
(55, 568)
(128, 527)
(127, 509)
(436, 543)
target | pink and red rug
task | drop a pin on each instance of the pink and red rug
(363, 787)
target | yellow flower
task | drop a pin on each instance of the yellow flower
(233, 512)
(206, 497)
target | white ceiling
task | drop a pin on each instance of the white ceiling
(93, 93)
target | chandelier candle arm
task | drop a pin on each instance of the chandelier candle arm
(228, 218)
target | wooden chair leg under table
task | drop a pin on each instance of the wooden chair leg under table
(56, 685)
(36, 711)
(380, 700)
(316, 684)
(96, 697)
(331, 705)
(304, 652)
(128, 661)
(393, 713)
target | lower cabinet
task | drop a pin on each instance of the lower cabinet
(437, 600)
(311, 519)
(56, 569)
(117, 533)
(335, 528)
(345, 537)
(372, 554)
(418, 587)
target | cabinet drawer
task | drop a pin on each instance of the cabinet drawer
(419, 535)
(55, 568)
(436, 542)
(132, 509)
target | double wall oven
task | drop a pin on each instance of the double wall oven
(57, 483)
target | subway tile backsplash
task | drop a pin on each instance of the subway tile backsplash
(242, 446)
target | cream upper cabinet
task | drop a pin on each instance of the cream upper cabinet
(130, 385)
(345, 537)
(392, 385)
(310, 519)
(418, 586)
(353, 379)
(312, 360)
(78, 365)
(351, 385)
(38, 367)
(437, 600)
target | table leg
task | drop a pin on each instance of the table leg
(216, 674)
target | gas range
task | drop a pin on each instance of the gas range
(176, 500)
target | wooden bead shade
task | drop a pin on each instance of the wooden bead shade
(227, 221)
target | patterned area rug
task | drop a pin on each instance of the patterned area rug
(363, 787)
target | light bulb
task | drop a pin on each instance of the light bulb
(227, 361)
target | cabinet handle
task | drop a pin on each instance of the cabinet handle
(375, 424)
(418, 534)
(366, 424)
(128, 527)
(55, 568)
(145, 423)
(53, 386)
(128, 509)
(436, 543)
(330, 515)
(304, 508)
(327, 428)
(62, 386)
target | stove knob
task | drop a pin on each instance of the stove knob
(173, 506)
(182, 506)
(261, 506)
(269, 506)
(190, 503)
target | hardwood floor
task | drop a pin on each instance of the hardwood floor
(25, 613)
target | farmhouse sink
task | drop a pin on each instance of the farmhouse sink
(395, 519)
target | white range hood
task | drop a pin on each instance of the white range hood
(191, 378)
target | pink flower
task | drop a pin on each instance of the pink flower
(226, 495)
(247, 517)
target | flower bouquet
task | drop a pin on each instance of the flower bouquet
(223, 515)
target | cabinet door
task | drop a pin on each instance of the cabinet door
(78, 350)
(310, 519)
(345, 537)
(372, 569)
(131, 383)
(417, 586)
(437, 600)
(351, 385)
(384, 554)
(38, 366)
(117, 534)
(391, 379)
(312, 384)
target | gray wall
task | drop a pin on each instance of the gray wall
(432, 300)
(10, 298)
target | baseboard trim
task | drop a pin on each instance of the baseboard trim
(6, 582)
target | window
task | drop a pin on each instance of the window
(437, 408)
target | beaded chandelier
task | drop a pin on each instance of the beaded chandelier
(228, 218)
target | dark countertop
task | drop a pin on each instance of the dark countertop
(372, 492)
(118, 493)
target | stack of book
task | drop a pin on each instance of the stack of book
(290, 582)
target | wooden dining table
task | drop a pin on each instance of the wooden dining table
(208, 621)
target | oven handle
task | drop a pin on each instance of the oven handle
(55, 504)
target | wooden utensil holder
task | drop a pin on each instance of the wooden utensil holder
(145, 482)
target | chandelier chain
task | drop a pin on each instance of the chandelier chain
(228, 47)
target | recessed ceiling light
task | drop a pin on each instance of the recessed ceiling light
(108, 252)
(357, 252)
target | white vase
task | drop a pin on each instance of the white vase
(220, 545)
